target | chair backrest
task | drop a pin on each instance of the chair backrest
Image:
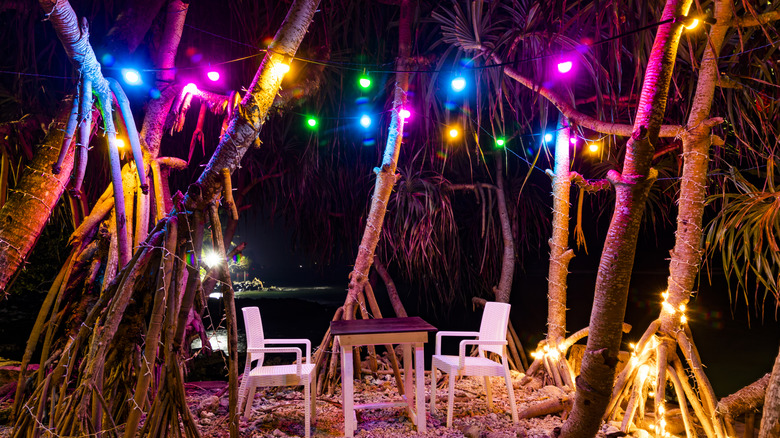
(493, 326)
(253, 325)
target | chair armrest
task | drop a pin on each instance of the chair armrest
(293, 341)
(440, 335)
(462, 349)
(295, 350)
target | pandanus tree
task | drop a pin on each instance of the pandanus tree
(167, 262)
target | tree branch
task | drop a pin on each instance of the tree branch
(572, 114)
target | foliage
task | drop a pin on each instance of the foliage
(746, 234)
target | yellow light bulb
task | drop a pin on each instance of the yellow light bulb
(692, 25)
(682, 307)
(280, 69)
(454, 132)
(665, 294)
(683, 319)
(120, 143)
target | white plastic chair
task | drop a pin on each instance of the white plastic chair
(274, 375)
(491, 337)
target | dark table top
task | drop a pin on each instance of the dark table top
(381, 325)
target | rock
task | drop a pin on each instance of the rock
(278, 432)
(641, 433)
(208, 405)
(499, 435)
(471, 431)
(553, 391)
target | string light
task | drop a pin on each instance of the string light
(280, 69)
(311, 122)
(120, 143)
(548, 137)
(364, 81)
(213, 76)
(593, 147)
(693, 24)
(565, 66)
(365, 121)
(131, 76)
(458, 84)
(454, 132)
(404, 114)
(190, 88)
(500, 142)
(212, 259)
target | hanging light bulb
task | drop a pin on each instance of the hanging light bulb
(190, 88)
(565, 66)
(454, 132)
(213, 75)
(548, 137)
(131, 76)
(364, 81)
(365, 121)
(500, 142)
(404, 114)
(458, 84)
(311, 122)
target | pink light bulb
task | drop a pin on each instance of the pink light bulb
(565, 66)
(190, 88)
(404, 114)
(213, 75)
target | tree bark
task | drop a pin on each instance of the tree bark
(504, 288)
(770, 419)
(33, 199)
(385, 174)
(560, 253)
(594, 384)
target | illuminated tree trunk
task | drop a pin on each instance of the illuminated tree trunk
(770, 418)
(385, 174)
(597, 375)
(560, 253)
(33, 199)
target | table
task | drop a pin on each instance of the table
(409, 332)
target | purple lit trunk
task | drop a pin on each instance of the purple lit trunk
(770, 418)
(597, 375)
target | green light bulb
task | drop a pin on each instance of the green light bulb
(312, 122)
(364, 81)
(500, 142)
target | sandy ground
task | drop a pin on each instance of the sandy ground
(278, 412)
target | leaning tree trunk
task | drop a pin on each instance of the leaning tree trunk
(597, 375)
(33, 199)
(385, 174)
(770, 418)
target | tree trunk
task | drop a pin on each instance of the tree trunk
(770, 419)
(385, 174)
(597, 375)
(33, 199)
(560, 253)
(504, 288)
(250, 116)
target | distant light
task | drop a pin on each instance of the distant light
(190, 88)
(212, 259)
(548, 137)
(280, 69)
(364, 81)
(213, 75)
(404, 114)
(365, 121)
(593, 147)
(312, 122)
(132, 77)
(107, 60)
(120, 143)
(500, 142)
(155, 93)
(693, 23)
(573, 140)
(458, 84)
(565, 66)
(454, 132)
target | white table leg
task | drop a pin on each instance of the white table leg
(419, 374)
(347, 391)
(408, 387)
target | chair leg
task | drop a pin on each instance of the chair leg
(450, 399)
(488, 392)
(433, 389)
(313, 389)
(307, 409)
(511, 393)
(249, 400)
